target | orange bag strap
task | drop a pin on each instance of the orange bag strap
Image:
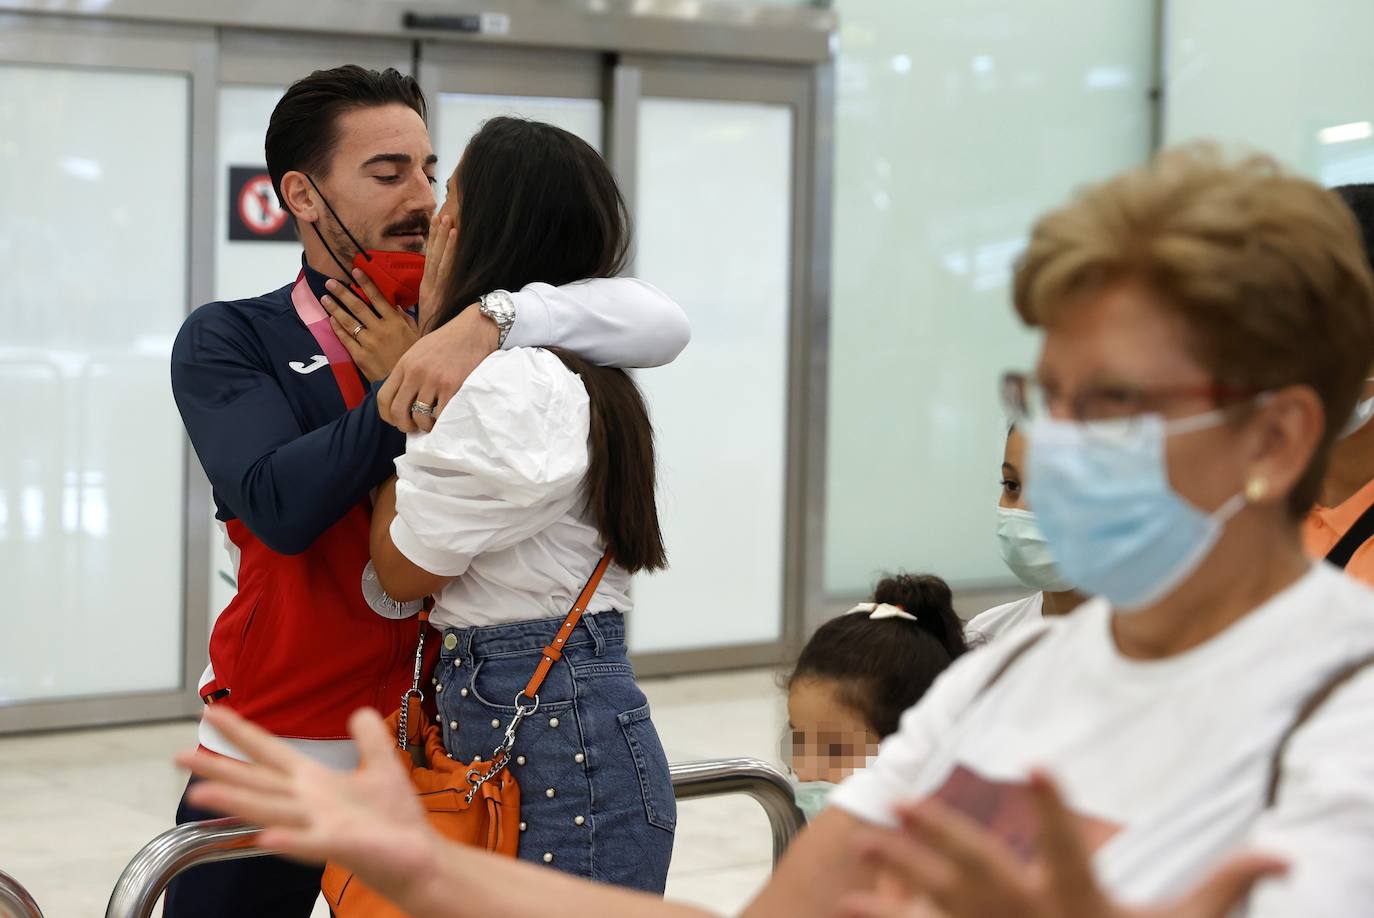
(554, 651)
(527, 701)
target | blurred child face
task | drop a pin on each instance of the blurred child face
(829, 739)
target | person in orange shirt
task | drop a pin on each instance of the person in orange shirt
(1341, 527)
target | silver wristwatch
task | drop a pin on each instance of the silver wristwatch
(499, 306)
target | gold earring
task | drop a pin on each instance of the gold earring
(1256, 489)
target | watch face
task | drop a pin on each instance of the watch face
(499, 305)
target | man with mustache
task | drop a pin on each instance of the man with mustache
(284, 419)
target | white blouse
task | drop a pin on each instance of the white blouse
(493, 497)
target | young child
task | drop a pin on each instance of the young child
(1027, 555)
(858, 673)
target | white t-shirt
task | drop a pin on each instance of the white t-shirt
(493, 497)
(985, 626)
(1168, 760)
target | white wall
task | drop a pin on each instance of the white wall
(1296, 82)
(959, 121)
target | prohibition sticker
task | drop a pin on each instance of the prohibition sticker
(254, 214)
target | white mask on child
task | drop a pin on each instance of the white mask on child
(812, 796)
(1025, 552)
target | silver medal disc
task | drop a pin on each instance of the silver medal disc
(383, 604)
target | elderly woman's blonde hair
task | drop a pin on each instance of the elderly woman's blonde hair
(1267, 270)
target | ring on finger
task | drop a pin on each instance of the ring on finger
(357, 330)
(418, 407)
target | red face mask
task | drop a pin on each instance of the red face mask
(396, 274)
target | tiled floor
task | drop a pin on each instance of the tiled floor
(75, 807)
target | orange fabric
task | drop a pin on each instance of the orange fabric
(491, 821)
(1324, 527)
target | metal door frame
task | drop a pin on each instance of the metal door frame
(809, 92)
(717, 29)
(146, 48)
(446, 67)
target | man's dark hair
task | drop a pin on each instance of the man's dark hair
(1360, 199)
(537, 203)
(304, 127)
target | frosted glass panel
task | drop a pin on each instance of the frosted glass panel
(1296, 82)
(958, 122)
(714, 202)
(92, 249)
(462, 114)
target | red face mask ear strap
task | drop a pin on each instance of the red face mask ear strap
(328, 248)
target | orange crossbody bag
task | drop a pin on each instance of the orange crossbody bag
(476, 804)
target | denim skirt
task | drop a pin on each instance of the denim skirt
(596, 798)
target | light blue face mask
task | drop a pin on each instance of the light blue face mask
(812, 796)
(1026, 552)
(1102, 497)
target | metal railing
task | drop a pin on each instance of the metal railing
(15, 901)
(752, 777)
(196, 843)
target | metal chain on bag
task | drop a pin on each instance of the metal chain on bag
(500, 756)
(403, 722)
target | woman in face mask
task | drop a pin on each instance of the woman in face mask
(1026, 554)
(1206, 331)
(858, 673)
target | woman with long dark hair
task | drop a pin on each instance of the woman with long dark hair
(540, 464)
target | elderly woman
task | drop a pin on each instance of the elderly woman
(1207, 328)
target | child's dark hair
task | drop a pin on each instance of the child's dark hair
(883, 666)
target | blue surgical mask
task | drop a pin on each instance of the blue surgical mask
(1101, 494)
(812, 796)
(1026, 553)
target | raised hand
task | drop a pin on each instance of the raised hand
(368, 820)
(443, 242)
(376, 335)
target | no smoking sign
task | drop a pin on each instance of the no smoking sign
(254, 215)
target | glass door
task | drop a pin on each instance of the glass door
(723, 191)
(102, 246)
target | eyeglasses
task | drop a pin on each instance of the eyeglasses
(1109, 407)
